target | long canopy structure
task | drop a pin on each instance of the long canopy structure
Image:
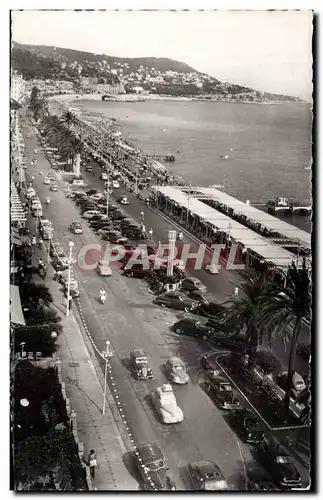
(221, 222)
(273, 223)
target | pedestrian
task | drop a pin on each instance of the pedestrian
(92, 462)
(150, 232)
(70, 300)
(33, 241)
(236, 291)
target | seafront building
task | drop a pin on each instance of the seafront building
(17, 87)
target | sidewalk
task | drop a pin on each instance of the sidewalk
(84, 383)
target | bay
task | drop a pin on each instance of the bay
(268, 146)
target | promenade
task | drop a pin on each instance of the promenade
(130, 320)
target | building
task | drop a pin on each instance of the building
(17, 87)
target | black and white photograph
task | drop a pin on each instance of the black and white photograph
(161, 233)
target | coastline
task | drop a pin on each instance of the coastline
(161, 97)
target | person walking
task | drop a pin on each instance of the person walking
(236, 291)
(70, 301)
(92, 462)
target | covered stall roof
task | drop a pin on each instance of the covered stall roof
(16, 314)
(248, 238)
(271, 222)
(17, 213)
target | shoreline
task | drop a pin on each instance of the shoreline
(160, 97)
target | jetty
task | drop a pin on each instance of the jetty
(162, 157)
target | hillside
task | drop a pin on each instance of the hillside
(152, 74)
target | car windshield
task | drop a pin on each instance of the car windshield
(283, 459)
(159, 464)
(179, 368)
(225, 387)
(141, 360)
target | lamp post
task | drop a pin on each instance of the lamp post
(107, 354)
(50, 235)
(22, 345)
(171, 248)
(71, 244)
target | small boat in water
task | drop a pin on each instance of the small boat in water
(288, 205)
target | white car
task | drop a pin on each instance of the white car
(91, 213)
(96, 196)
(104, 176)
(104, 269)
(46, 181)
(115, 184)
(30, 192)
(165, 403)
(123, 200)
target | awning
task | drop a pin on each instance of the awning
(15, 105)
(16, 314)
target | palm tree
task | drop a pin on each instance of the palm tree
(286, 307)
(69, 120)
(244, 311)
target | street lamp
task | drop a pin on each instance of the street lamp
(71, 244)
(107, 354)
(22, 345)
(24, 402)
(54, 335)
(50, 235)
(171, 252)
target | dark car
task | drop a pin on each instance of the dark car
(192, 284)
(189, 326)
(137, 271)
(212, 309)
(151, 463)
(248, 426)
(176, 300)
(139, 365)
(221, 390)
(278, 463)
(207, 476)
(260, 481)
(88, 169)
(200, 297)
(117, 215)
(227, 340)
(58, 264)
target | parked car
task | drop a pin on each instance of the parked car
(58, 264)
(278, 463)
(90, 213)
(115, 238)
(165, 404)
(88, 169)
(199, 296)
(222, 391)
(248, 426)
(97, 197)
(260, 481)
(56, 249)
(137, 271)
(212, 309)
(123, 200)
(115, 184)
(151, 463)
(103, 268)
(139, 365)
(46, 181)
(189, 326)
(192, 284)
(176, 300)
(176, 370)
(298, 383)
(207, 475)
(76, 227)
(104, 176)
(53, 187)
(51, 176)
(227, 340)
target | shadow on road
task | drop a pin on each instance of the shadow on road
(130, 464)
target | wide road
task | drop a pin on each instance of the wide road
(130, 320)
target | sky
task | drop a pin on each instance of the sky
(268, 51)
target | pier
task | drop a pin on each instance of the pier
(169, 157)
(217, 227)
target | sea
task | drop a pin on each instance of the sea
(268, 147)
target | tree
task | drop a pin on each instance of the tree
(286, 307)
(244, 311)
(69, 120)
(37, 339)
(42, 315)
(34, 95)
(34, 295)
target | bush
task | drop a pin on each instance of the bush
(268, 363)
(34, 295)
(37, 339)
(41, 316)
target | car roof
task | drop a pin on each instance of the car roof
(207, 467)
(138, 353)
(150, 451)
(174, 360)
